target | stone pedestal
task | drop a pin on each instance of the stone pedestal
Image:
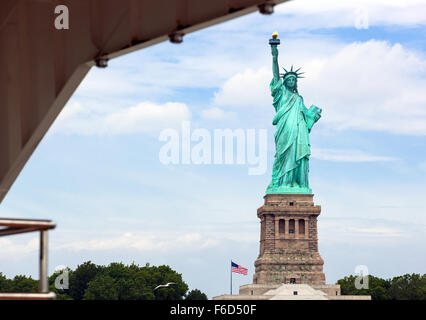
(289, 241)
(289, 266)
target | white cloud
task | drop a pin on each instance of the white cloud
(160, 241)
(313, 14)
(86, 119)
(347, 155)
(162, 69)
(109, 81)
(372, 86)
(379, 231)
(245, 89)
(357, 231)
(363, 86)
(13, 248)
(130, 240)
(216, 114)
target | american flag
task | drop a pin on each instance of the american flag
(238, 269)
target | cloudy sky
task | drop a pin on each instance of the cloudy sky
(98, 175)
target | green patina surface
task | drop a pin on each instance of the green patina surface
(293, 123)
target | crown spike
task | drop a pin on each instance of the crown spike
(292, 72)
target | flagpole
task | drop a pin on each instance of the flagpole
(231, 277)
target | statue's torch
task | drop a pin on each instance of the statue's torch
(274, 41)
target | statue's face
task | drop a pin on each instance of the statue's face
(291, 82)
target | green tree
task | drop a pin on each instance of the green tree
(347, 285)
(121, 282)
(124, 283)
(4, 283)
(408, 287)
(378, 288)
(22, 283)
(162, 275)
(113, 282)
(80, 278)
(102, 287)
(196, 295)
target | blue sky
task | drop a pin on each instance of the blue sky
(97, 172)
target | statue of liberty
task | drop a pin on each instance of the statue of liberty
(293, 123)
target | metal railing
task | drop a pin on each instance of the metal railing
(16, 226)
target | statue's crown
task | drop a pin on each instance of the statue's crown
(292, 72)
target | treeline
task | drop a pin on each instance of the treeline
(113, 282)
(405, 287)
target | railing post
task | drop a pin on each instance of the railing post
(43, 285)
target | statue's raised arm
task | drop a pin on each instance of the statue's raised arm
(274, 42)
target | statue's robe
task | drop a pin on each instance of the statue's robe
(293, 123)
